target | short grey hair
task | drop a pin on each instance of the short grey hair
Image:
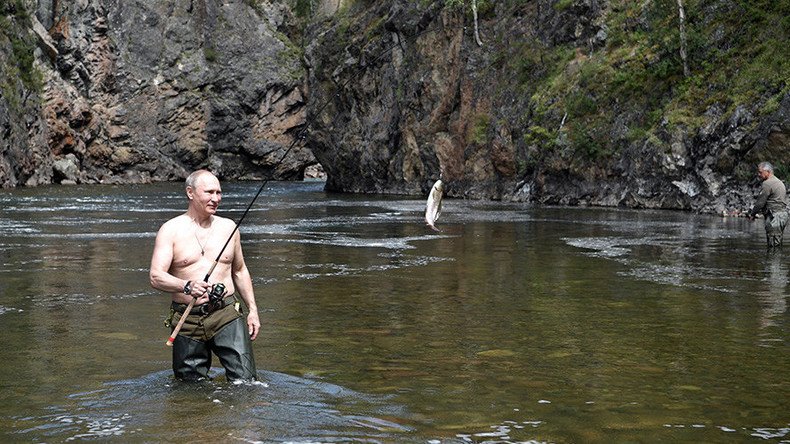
(766, 166)
(192, 178)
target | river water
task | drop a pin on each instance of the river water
(514, 323)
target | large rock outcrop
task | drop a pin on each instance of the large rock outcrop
(579, 102)
(148, 90)
(573, 102)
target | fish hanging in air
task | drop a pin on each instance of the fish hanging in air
(433, 208)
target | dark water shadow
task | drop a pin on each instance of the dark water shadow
(278, 408)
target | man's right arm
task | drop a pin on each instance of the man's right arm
(160, 276)
(161, 259)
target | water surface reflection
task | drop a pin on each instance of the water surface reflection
(513, 324)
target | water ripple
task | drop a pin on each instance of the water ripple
(284, 408)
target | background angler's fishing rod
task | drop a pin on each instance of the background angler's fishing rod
(301, 135)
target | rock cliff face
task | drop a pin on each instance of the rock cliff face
(148, 90)
(566, 102)
(23, 148)
(576, 102)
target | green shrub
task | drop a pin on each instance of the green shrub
(562, 5)
(22, 51)
(537, 135)
(14, 18)
(303, 8)
(211, 54)
(478, 132)
(580, 104)
(586, 142)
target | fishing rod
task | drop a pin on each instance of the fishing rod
(191, 304)
(300, 136)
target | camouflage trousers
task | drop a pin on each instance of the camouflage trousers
(774, 227)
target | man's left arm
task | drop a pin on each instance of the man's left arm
(243, 283)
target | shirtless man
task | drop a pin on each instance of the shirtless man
(185, 249)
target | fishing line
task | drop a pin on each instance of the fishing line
(301, 135)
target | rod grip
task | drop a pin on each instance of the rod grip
(184, 315)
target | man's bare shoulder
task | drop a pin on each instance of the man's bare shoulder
(224, 222)
(174, 224)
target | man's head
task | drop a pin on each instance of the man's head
(765, 170)
(203, 191)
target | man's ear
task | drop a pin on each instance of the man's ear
(190, 193)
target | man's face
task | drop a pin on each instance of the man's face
(763, 174)
(207, 193)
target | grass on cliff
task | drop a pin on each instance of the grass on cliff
(19, 46)
(737, 54)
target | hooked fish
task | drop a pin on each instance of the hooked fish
(433, 208)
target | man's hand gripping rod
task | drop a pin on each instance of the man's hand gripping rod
(184, 315)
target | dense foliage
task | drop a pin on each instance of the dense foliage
(737, 56)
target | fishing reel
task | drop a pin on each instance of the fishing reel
(217, 293)
(215, 297)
